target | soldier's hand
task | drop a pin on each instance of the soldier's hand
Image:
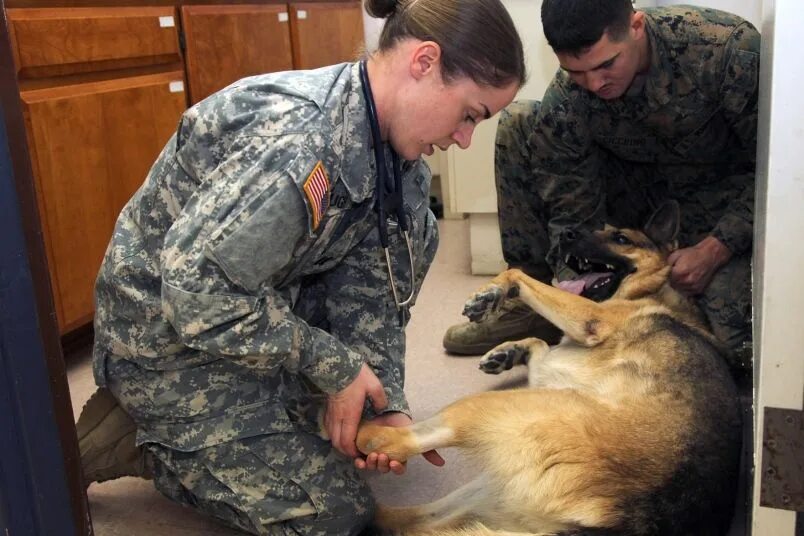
(694, 267)
(380, 462)
(345, 408)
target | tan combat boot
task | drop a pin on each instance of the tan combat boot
(106, 439)
(514, 321)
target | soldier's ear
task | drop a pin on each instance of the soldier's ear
(662, 228)
(637, 26)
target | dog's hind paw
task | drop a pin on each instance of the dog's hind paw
(504, 357)
(482, 303)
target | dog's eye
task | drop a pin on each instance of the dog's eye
(621, 239)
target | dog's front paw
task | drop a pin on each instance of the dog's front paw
(504, 357)
(483, 302)
(396, 442)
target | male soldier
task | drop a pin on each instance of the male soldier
(648, 105)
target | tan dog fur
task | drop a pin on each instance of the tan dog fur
(633, 404)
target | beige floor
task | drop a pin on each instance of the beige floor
(131, 507)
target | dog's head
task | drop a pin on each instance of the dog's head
(622, 263)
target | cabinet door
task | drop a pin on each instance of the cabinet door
(325, 34)
(91, 147)
(227, 43)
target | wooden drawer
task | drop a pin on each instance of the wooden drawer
(62, 41)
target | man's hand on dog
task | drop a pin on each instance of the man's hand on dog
(380, 462)
(694, 267)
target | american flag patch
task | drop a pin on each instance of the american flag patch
(316, 188)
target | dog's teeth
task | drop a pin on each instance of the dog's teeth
(567, 259)
(610, 267)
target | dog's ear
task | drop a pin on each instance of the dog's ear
(662, 228)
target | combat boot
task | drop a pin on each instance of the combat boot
(514, 321)
(107, 441)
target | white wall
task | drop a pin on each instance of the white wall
(371, 29)
(472, 170)
(750, 10)
(778, 256)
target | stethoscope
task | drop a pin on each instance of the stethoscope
(389, 197)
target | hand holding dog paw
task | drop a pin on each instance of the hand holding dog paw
(345, 407)
(375, 461)
(482, 303)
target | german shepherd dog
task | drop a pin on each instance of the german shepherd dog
(629, 426)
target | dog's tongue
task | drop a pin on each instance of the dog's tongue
(577, 285)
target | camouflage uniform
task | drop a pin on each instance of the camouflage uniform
(685, 130)
(234, 296)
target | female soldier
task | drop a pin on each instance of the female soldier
(261, 275)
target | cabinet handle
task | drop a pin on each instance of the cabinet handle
(177, 86)
(283, 17)
(301, 14)
(166, 22)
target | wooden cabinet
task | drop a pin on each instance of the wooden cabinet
(323, 34)
(60, 41)
(225, 43)
(91, 146)
(103, 89)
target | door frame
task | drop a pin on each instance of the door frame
(41, 490)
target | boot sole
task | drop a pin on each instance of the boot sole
(481, 348)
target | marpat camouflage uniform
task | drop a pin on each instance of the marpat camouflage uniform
(685, 130)
(244, 282)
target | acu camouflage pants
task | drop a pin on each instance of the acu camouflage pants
(633, 192)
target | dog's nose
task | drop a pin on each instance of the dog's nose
(569, 235)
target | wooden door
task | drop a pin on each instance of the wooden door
(227, 43)
(325, 34)
(92, 145)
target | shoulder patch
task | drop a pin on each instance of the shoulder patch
(317, 189)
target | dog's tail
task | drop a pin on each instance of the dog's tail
(453, 510)
(457, 514)
(475, 529)
(478, 529)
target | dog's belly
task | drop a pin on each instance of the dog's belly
(564, 367)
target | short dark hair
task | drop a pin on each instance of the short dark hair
(572, 26)
(478, 39)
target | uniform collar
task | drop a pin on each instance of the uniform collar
(357, 163)
(659, 86)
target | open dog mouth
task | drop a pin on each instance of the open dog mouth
(597, 279)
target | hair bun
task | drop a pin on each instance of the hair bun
(381, 9)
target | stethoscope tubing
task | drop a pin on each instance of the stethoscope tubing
(396, 200)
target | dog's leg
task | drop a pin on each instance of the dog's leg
(401, 443)
(583, 320)
(528, 444)
(509, 354)
(453, 510)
